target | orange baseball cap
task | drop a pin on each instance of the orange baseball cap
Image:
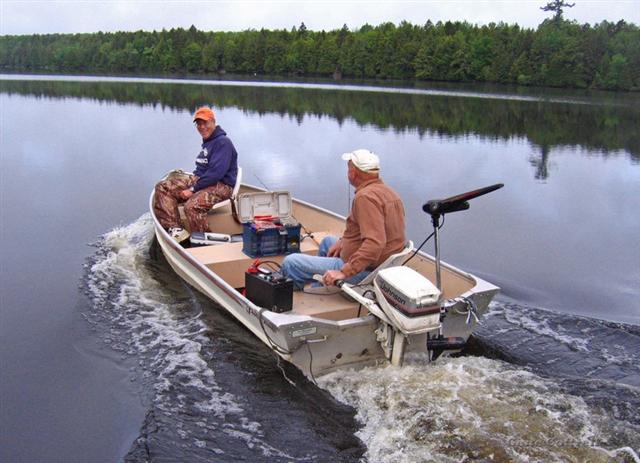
(204, 113)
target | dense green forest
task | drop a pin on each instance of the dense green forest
(558, 53)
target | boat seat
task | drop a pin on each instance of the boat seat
(217, 207)
(234, 194)
(393, 259)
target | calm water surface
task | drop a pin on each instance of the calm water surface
(107, 356)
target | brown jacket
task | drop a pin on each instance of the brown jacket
(375, 227)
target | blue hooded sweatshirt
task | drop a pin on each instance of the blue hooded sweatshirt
(217, 162)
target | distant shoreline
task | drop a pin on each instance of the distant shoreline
(511, 91)
(558, 54)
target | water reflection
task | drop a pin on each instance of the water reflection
(560, 235)
(606, 128)
(541, 163)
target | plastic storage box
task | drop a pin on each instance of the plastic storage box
(268, 229)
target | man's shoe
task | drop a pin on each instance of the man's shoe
(179, 234)
(208, 238)
(321, 290)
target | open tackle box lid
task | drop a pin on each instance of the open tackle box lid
(268, 203)
(268, 228)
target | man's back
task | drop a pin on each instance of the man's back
(375, 227)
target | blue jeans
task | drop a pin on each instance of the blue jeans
(301, 267)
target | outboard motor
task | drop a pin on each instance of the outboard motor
(411, 304)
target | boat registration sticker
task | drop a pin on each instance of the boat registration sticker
(304, 332)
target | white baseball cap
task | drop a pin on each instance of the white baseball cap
(364, 160)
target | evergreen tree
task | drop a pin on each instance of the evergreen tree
(557, 6)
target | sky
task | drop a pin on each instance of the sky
(70, 16)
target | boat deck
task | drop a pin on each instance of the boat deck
(230, 263)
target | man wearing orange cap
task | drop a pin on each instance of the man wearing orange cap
(211, 182)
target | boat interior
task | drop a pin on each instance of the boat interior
(229, 262)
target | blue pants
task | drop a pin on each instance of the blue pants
(301, 267)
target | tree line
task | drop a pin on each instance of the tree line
(557, 53)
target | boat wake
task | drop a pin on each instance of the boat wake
(565, 345)
(142, 311)
(547, 388)
(536, 386)
(473, 408)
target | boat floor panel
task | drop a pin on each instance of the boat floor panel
(230, 263)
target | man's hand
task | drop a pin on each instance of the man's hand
(331, 276)
(335, 249)
(186, 194)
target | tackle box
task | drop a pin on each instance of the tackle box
(268, 228)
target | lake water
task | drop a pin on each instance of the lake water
(107, 356)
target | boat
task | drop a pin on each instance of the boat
(413, 302)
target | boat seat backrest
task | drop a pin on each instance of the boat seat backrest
(234, 194)
(393, 259)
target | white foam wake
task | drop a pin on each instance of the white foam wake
(467, 409)
(149, 320)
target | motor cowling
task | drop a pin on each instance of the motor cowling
(410, 300)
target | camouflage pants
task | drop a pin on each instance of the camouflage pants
(167, 199)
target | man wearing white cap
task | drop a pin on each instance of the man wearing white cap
(375, 230)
